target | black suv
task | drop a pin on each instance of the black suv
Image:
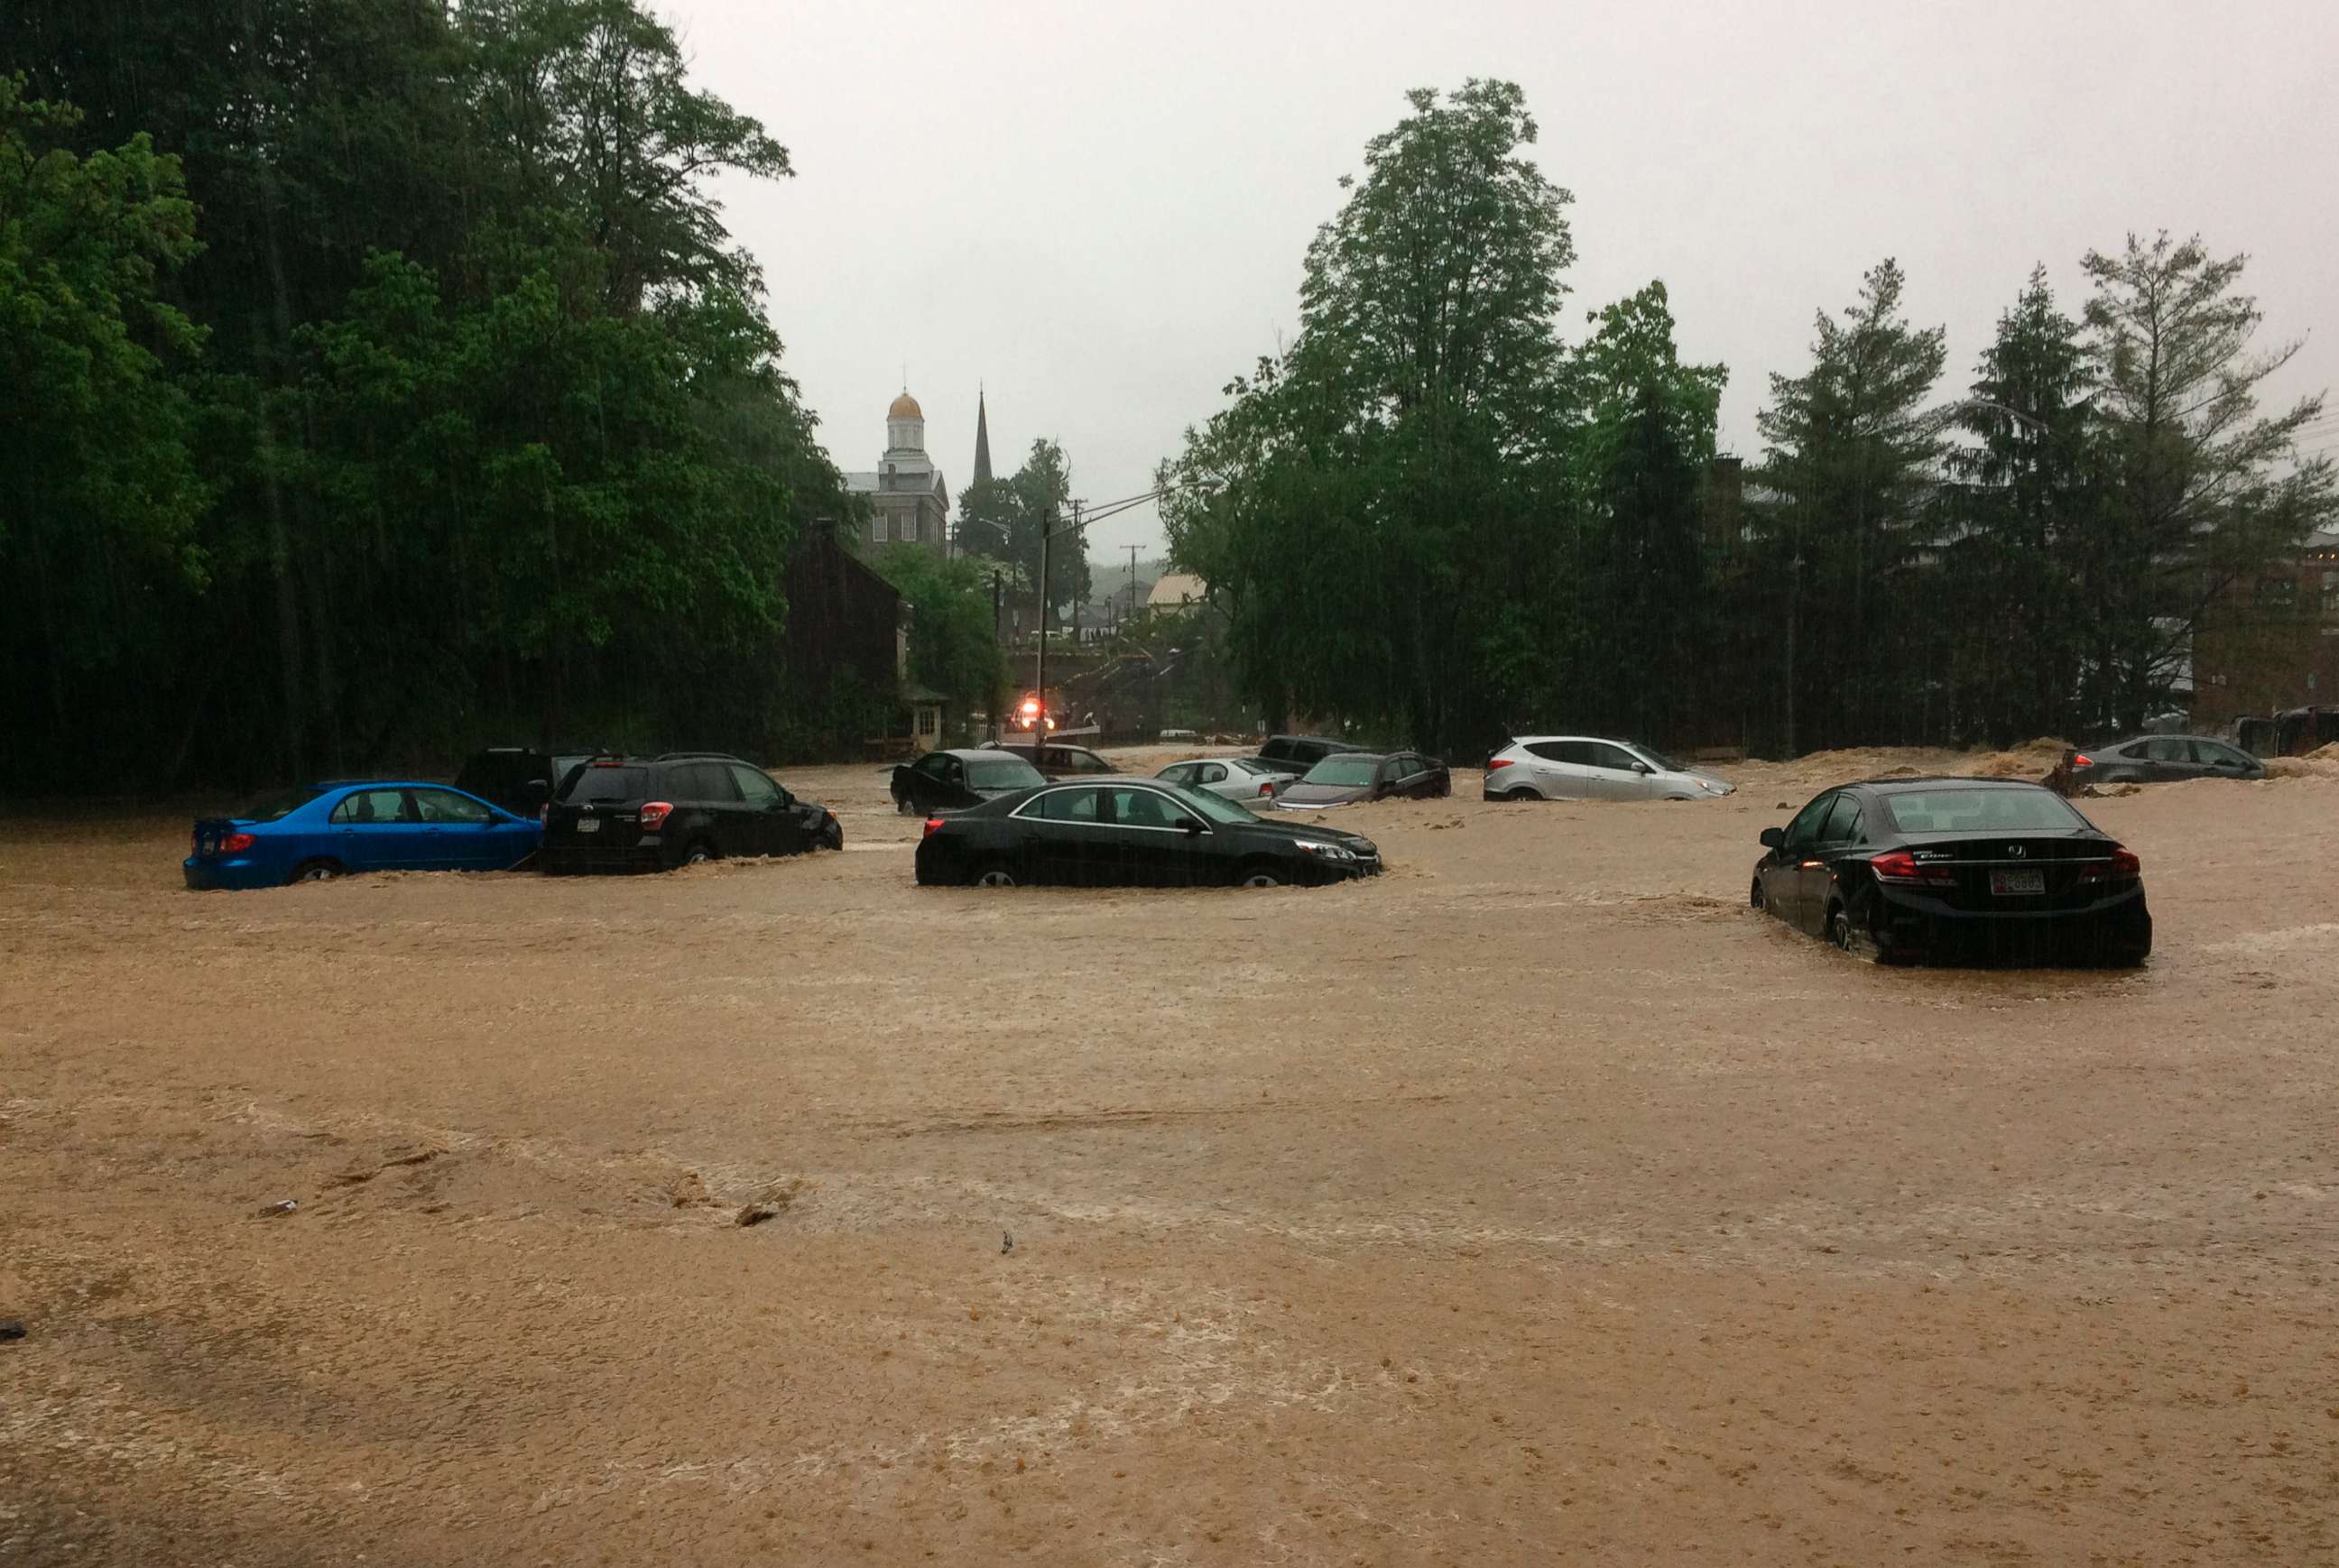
(1295, 754)
(653, 814)
(517, 778)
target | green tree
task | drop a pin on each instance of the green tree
(1003, 519)
(2022, 515)
(952, 646)
(1379, 506)
(2203, 491)
(1642, 615)
(99, 493)
(1849, 452)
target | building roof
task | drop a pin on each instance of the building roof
(1177, 589)
(905, 406)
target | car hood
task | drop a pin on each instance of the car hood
(1304, 794)
(1289, 832)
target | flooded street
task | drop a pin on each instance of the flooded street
(1538, 1199)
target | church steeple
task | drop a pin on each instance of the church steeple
(981, 438)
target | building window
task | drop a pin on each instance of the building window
(910, 529)
(2331, 595)
(878, 529)
(2278, 592)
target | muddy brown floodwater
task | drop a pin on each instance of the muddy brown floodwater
(1535, 1202)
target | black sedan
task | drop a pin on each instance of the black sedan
(2164, 759)
(944, 781)
(1916, 868)
(1347, 777)
(1138, 833)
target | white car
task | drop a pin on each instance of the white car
(1229, 778)
(1587, 767)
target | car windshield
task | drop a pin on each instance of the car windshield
(1001, 773)
(281, 803)
(1980, 811)
(1205, 803)
(1344, 770)
(1658, 757)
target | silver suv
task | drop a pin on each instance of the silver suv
(1586, 767)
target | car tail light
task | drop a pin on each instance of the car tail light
(655, 813)
(1899, 865)
(2123, 866)
(544, 813)
(2082, 760)
(1493, 763)
(934, 824)
(237, 843)
(1267, 786)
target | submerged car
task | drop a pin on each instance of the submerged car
(654, 814)
(517, 778)
(944, 781)
(2164, 759)
(1228, 778)
(1956, 868)
(318, 831)
(1140, 832)
(1347, 777)
(1055, 759)
(1587, 767)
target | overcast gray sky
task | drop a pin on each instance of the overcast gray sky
(1098, 211)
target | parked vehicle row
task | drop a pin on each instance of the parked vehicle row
(606, 813)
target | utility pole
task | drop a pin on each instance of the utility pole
(996, 697)
(1079, 554)
(1039, 660)
(1132, 584)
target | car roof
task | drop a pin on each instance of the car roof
(385, 783)
(1538, 740)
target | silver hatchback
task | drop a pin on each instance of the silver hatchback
(1229, 778)
(1587, 767)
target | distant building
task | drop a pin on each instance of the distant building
(1178, 591)
(844, 621)
(909, 502)
(2271, 642)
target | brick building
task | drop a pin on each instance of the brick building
(2272, 642)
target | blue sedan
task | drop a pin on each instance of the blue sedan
(321, 830)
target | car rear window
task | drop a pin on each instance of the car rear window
(1003, 772)
(599, 784)
(1980, 811)
(274, 808)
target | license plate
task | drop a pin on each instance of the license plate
(589, 825)
(2017, 883)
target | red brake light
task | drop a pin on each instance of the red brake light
(2082, 760)
(933, 822)
(1900, 865)
(655, 813)
(1266, 786)
(1499, 762)
(237, 843)
(2123, 866)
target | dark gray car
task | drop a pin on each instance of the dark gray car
(1349, 776)
(2164, 759)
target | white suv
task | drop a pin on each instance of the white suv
(1586, 767)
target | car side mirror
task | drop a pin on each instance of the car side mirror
(1642, 768)
(1774, 837)
(1191, 826)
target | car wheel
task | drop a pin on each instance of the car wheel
(1760, 900)
(832, 836)
(317, 871)
(1838, 928)
(991, 874)
(1258, 874)
(699, 853)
